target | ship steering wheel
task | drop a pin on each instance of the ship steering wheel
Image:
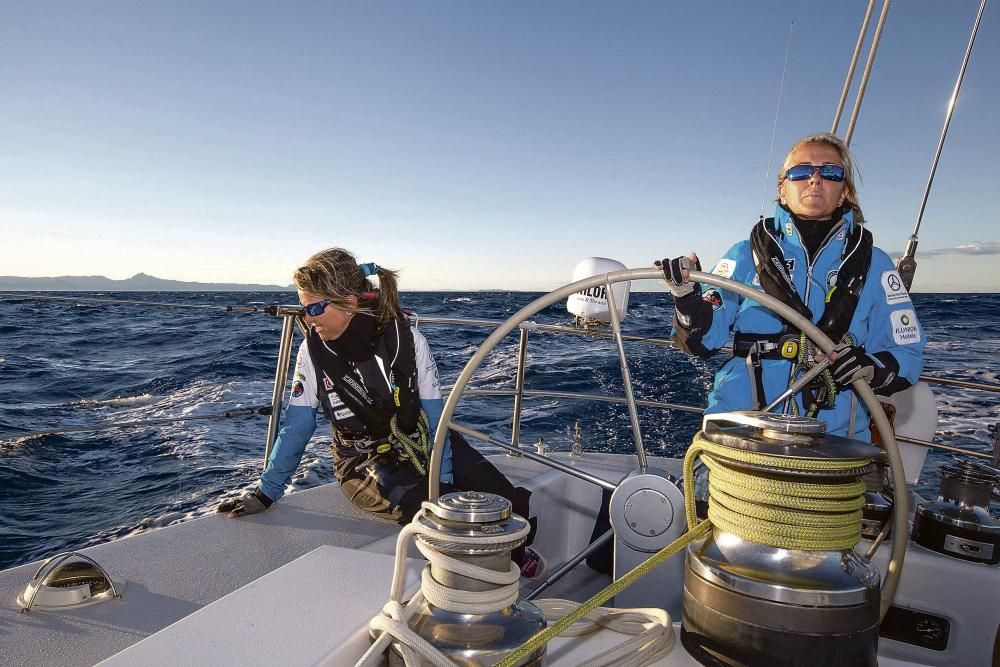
(901, 510)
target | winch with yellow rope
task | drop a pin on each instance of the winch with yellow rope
(777, 580)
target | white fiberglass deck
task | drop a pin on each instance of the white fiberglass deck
(302, 579)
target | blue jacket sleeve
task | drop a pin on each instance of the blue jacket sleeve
(298, 426)
(434, 407)
(892, 320)
(737, 265)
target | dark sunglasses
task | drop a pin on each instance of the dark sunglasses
(316, 309)
(828, 172)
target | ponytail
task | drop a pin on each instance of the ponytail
(335, 274)
(386, 307)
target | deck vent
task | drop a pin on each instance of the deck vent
(68, 580)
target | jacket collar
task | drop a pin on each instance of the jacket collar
(784, 226)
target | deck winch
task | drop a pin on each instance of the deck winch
(777, 580)
(958, 523)
(469, 608)
(877, 510)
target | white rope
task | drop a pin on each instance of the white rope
(653, 633)
(652, 629)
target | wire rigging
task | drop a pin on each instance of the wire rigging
(774, 129)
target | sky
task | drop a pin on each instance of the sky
(471, 145)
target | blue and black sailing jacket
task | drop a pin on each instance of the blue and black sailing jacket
(884, 320)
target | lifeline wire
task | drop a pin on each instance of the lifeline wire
(133, 302)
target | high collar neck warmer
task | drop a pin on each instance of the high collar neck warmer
(358, 339)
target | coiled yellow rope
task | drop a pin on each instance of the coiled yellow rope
(782, 513)
(779, 512)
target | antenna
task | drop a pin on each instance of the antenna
(777, 110)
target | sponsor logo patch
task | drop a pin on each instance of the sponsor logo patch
(905, 330)
(895, 291)
(725, 268)
(831, 278)
(713, 296)
(841, 234)
(327, 383)
(343, 414)
(789, 229)
(755, 281)
(297, 389)
(335, 401)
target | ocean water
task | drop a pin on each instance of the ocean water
(70, 364)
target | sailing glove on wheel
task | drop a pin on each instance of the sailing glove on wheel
(692, 314)
(674, 273)
(252, 502)
(853, 363)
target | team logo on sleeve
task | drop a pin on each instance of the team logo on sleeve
(905, 330)
(831, 278)
(297, 389)
(895, 291)
(789, 229)
(432, 373)
(756, 280)
(725, 268)
(712, 296)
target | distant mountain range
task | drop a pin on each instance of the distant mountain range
(140, 282)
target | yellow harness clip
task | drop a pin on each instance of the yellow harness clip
(790, 349)
(383, 448)
(395, 396)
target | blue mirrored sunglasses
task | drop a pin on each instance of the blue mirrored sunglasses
(828, 172)
(316, 309)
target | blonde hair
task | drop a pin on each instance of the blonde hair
(334, 274)
(829, 139)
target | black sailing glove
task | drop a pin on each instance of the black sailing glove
(677, 283)
(249, 503)
(880, 370)
(692, 315)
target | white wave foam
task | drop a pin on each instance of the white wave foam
(117, 402)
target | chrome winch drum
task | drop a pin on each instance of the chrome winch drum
(958, 523)
(749, 602)
(877, 511)
(471, 640)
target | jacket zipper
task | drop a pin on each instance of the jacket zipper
(809, 272)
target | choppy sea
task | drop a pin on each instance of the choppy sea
(67, 364)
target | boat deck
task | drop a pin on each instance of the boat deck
(294, 583)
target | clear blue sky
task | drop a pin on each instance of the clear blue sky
(470, 144)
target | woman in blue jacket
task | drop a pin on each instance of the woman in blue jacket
(816, 256)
